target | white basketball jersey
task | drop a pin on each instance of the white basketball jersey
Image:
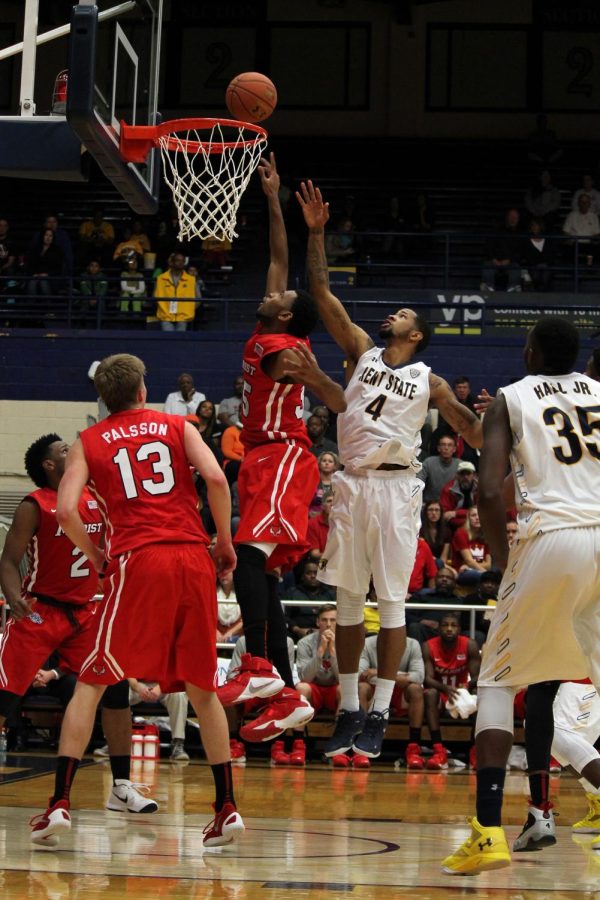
(555, 458)
(386, 411)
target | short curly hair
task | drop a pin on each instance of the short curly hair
(35, 456)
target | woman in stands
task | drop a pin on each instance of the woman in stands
(435, 532)
(328, 463)
(470, 553)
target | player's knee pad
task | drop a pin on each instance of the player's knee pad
(350, 607)
(7, 702)
(571, 748)
(495, 708)
(116, 696)
(391, 613)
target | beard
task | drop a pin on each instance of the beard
(385, 332)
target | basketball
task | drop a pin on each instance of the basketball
(251, 97)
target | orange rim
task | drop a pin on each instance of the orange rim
(136, 141)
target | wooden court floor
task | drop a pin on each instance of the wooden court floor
(311, 833)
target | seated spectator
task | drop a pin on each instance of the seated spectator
(538, 258)
(133, 286)
(44, 265)
(584, 224)
(470, 553)
(486, 594)
(141, 691)
(542, 143)
(435, 532)
(542, 201)
(216, 252)
(229, 408)
(316, 432)
(302, 619)
(407, 698)
(233, 451)
(229, 614)
(502, 255)
(424, 623)
(185, 401)
(138, 234)
(589, 189)
(96, 238)
(339, 245)
(462, 391)
(328, 463)
(329, 420)
(512, 530)
(439, 470)
(128, 245)
(175, 293)
(318, 526)
(459, 494)
(7, 249)
(424, 569)
(93, 285)
(61, 239)
(452, 661)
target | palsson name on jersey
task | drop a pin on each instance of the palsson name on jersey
(386, 411)
(555, 422)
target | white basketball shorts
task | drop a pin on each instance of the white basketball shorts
(576, 724)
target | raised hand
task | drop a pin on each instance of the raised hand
(301, 364)
(269, 176)
(314, 209)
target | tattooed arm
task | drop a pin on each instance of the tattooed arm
(352, 339)
(460, 417)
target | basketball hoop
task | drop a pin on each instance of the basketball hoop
(207, 163)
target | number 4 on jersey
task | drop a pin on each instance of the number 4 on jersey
(375, 407)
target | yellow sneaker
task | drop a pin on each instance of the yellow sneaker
(485, 849)
(590, 824)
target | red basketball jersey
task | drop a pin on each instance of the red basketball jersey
(57, 568)
(140, 475)
(450, 663)
(270, 411)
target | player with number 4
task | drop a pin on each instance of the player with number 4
(375, 517)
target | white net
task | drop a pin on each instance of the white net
(208, 170)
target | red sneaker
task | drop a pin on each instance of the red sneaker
(238, 752)
(473, 757)
(225, 828)
(360, 762)
(341, 761)
(46, 827)
(439, 760)
(413, 757)
(555, 766)
(298, 754)
(254, 677)
(288, 709)
(278, 755)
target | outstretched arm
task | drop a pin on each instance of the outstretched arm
(494, 462)
(277, 275)
(460, 417)
(352, 339)
(300, 366)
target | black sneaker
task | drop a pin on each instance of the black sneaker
(347, 726)
(369, 741)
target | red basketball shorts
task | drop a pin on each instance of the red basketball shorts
(399, 703)
(324, 696)
(158, 620)
(27, 643)
(275, 485)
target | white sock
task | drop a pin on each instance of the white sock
(349, 692)
(384, 688)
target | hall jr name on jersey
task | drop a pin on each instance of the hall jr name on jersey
(394, 384)
(153, 428)
(546, 389)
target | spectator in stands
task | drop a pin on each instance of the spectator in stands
(408, 695)
(316, 432)
(177, 708)
(44, 265)
(486, 594)
(175, 292)
(542, 200)
(542, 143)
(302, 619)
(185, 401)
(96, 237)
(439, 470)
(423, 624)
(133, 286)
(216, 252)
(538, 258)
(588, 189)
(462, 390)
(138, 234)
(129, 244)
(502, 255)
(318, 526)
(167, 239)
(229, 614)
(229, 408)
(459, 495)
(452, 662)
(316, 662)
(61, 239)
(340, 245)
(329, 420)
(207, 425)
(470, 554)
(93, 285)
(233, 451)
(424, 569)
(435, 532)
(7, 249)
(328, 463)
(584, 224)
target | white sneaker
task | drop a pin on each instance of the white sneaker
(102, 751)
(129, 797)
(539, 830)
(178, 753)
(46, 827)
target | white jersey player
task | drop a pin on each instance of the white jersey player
(375, 518)
(546, 625)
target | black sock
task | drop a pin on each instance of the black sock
(223, 785)
(490, 790)
(414, 735)
(252, 594)
(66, 767)
(277, 635)
(120, 767)
(539, 734)
(436, 736)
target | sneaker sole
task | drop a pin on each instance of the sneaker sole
(274, 729)
(120, 806)
(234, 831)
(585, 830)
(46, 838)
(534, 844)
(486, 866)
(268, 688)
(370, 754)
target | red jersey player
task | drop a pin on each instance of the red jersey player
(276, 482)
(451, 661)
(53, 609)
(159, 615)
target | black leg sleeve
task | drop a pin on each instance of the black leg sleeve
(252, 594)
(539, 734)
(277, 634)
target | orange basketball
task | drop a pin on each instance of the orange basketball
(251, 97)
